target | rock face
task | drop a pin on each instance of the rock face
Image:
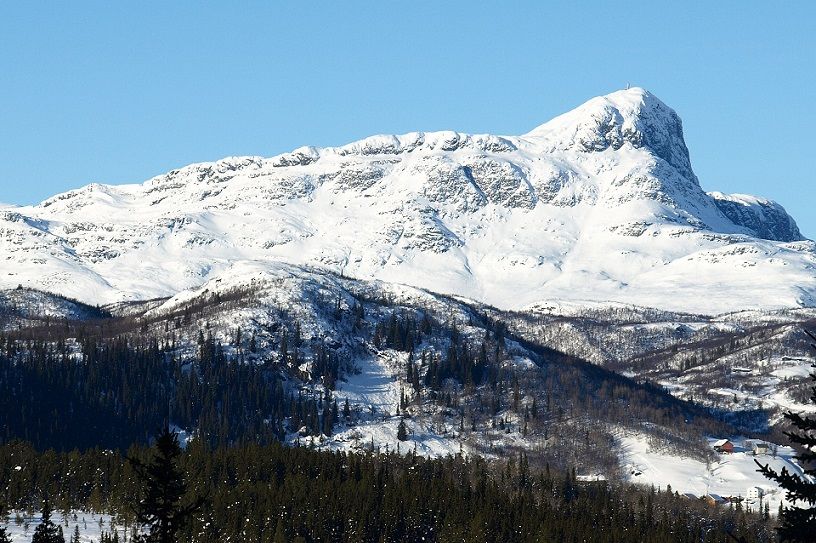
(599, 204)
(764, 218)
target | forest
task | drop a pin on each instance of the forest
(80, 400)
(273, 493)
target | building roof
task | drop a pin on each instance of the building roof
(591, 478)
(720, 442)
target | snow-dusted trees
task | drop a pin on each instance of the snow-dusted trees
(163, 509)
(402, 431)
(275, 493)
(47, 531)
(798, 524)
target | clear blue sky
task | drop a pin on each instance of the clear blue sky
(118, 92)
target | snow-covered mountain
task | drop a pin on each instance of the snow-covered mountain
(599, 204)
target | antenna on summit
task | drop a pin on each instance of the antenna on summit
(627, 86)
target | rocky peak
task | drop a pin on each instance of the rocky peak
(633, 117)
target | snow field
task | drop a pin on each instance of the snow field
(727, 475)
(21, 526)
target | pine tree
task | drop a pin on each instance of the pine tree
(75, 537)
(4, 536)
(402, 431)
(798, 523)
(47, 531)
(161, 510)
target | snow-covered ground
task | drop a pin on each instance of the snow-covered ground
(728, 475)
(21, 526)
(762, 384)
(374, 393)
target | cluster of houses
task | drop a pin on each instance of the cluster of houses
(752, 495)
(756, 446)
(726, 446)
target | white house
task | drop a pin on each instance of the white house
(760, 447)
(753, 493)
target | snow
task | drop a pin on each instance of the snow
(21, 525)
(375, 394)
(725, 475)
(770, 390)
(599, 205)
(375, 386)
(799, 368)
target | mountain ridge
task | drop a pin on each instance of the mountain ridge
(600, 203)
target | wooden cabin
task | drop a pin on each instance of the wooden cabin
(723, 446)
(714, 499)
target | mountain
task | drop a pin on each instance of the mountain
(571, 293)
(600, 204)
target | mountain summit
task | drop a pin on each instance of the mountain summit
(599, 204)
(633, 116)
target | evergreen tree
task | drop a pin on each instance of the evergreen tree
(798, 524)
(47, 531)
(75, 537)
(161, 510)
(402, 431)
(4, 536)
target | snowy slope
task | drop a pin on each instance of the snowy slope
(725, 475)
(599, 204)
(372, 379)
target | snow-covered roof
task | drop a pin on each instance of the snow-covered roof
(720, 442)
(591, 478)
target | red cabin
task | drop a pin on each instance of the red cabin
(723, 446)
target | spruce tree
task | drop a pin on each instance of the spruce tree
(47, 531)
(75, 537)
(798, 524)
(402, 431)
(4, 536)
(162, 509)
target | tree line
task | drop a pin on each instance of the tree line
(273, 493)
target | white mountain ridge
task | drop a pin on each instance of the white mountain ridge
(600, 204)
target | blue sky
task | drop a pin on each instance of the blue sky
(118, 92)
